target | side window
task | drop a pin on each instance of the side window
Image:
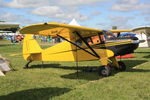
(108, 35)
(95, 39)
(78, 42)
(89, 41)
(102, 38)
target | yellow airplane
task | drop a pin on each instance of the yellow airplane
(81, 44)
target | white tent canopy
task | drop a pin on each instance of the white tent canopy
(74, 22)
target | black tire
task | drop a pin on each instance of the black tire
(122, 66)
(104, 71)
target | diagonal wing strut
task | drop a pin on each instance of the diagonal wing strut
(93, 52)
(77, 33)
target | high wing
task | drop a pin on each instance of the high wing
(64, 30)
(120, 30)
(54, 29)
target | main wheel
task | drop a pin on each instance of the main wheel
(122, 66)
(104, 71)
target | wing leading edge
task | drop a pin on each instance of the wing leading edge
(64, 30)
(53, 29)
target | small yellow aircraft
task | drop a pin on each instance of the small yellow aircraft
(81, 44)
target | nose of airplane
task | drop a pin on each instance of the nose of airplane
(135, 40)
(127, 48)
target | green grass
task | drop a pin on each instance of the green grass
(58, 80)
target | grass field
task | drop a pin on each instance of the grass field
(58, 80)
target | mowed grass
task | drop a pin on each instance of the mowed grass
(58, 80)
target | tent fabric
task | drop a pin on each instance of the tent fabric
(123, 34)
(4, 67)
(4, 64)
(74, 22)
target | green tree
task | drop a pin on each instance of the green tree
(2, 21)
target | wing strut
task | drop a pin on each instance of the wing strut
(96, 55)
(77, 45)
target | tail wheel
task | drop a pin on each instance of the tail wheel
(122, 66)
(104, 71)
(27, 65)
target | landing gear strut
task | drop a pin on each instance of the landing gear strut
(122, 66)
(27, 65)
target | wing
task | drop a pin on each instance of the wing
(54, 29)
(120, 30)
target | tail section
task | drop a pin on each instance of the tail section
(31, 49)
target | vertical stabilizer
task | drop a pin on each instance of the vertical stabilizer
(30, 47)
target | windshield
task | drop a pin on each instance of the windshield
(108, 34)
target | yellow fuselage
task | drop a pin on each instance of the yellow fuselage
(63, 51)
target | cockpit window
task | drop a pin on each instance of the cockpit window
(108, 35)
(89, 40)
(96, 39)
(99, 38)
(78, 42)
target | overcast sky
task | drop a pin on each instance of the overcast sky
(102, 14)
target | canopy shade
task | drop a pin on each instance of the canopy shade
(123, 34)
(5, 25)
(145, 30)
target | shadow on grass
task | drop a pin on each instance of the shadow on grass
(84, 68)
(138, 70)
(36, 94)
(87, 74)
(5, 45)
(46, 66)
(82, 75)
(142, 52)
(129, 63)
(132, 63)
(94, 76)
(148, 56)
